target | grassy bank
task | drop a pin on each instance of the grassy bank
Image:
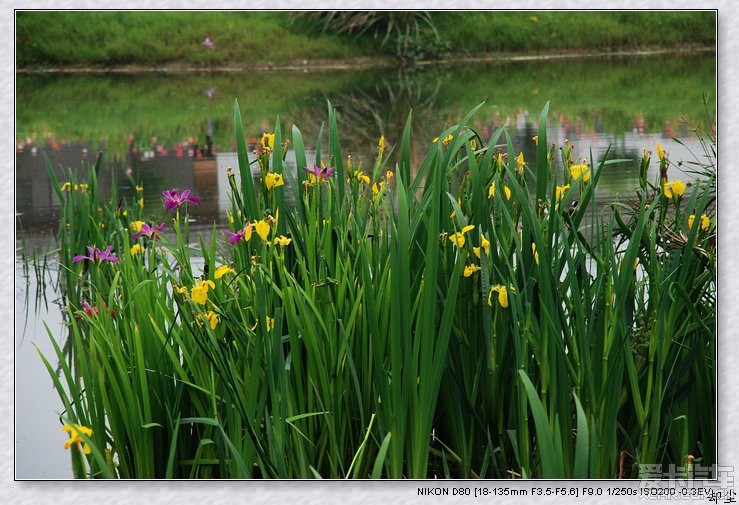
(124, 38)
(547, 31)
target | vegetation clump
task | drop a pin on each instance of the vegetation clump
(474, 316)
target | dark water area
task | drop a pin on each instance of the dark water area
(176, 131)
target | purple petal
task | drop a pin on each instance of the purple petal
(330, 171)
(79, 258)
(234, 237)
(107, 251)
(170, 204)
(193, 200)
(113, 259)
(311, 170)
(91, 251)
(185, 194)
(137, 234)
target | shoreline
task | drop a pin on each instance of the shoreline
(360, 63)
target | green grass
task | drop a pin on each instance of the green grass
(118, 38)
(360, 350)
(152, 38)
(555, 31)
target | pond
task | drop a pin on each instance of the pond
(170, 131)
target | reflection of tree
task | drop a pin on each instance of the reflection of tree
(381, 108)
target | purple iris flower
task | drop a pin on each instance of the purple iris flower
(150, 231)
(97, 255)
(174, 198)
(320, 173)
(235, 238)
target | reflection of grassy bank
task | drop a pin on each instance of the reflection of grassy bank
(608, 95)
(116, 38)
(172, 108)
(589, 96)
(604, 95)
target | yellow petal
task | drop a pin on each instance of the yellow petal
(503, 297)
(485, 243)
(262, 229)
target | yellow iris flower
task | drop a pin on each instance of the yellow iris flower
(136, 225)
(272, 180)
(673, 188)
(560, 191)
(446, 140)
(136, 249)
(581, 170)
(484, 244)
(470, 269)
(521, 162)
(223, 270)
(705, 222)
(506, 191)
(74, 431)
(268, 141)
(457, 238)
(283, 241)
(248, 228)
(535, 252)
(262, 229)
(212, 318)
(502, 295)
(660, 152)
(381, 143)
(199, 293)
(361, 177)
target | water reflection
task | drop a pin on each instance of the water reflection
(162, 129)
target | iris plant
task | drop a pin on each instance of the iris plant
(173, 198)
(97, 255)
